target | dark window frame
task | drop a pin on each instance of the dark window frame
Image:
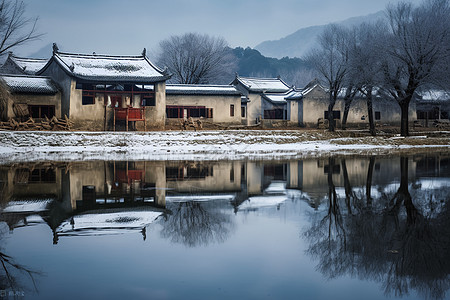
(231, 110)
(177, 112)
(336, 114)
(274, 114)
(88, 98)
(377, 115)
(40, 111)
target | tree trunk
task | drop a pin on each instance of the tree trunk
(404, 123)
(370, 113)
(349, 95)
(331, 126)
(369, 181)
(347, 186)
(345, 116)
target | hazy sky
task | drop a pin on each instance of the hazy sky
(127, 26)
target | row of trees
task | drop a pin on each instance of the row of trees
(396, 58)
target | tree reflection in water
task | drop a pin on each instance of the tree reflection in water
(196, 224)
(401, 239)
(11, 274)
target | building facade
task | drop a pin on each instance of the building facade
(99, 91)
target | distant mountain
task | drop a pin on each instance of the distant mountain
(300, 42)
(44, 52)
(251, 63)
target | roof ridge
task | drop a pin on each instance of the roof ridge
(28, 58)
(200, 85)
(24, 76)
(100, 55)
(266, 78)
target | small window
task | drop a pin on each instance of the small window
(88, 193)
(88, 98)
(42, 175)
(335, 169)
(377, 115)
(336, 114)
(243, 111)
(148, 100)
(174, 112)
(231, 110)
(41, 111)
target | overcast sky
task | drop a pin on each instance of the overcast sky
(127, 26)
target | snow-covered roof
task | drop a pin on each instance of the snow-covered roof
(280, 98)
(24, 84)
(22, 65)
(276, 98)
(108, 68)
(29, 65)
(200, 198)
(254, 203)
(201, 89)
(106, 223)
(309, 89)
(27, 206)
(269, 85)
(434, 95)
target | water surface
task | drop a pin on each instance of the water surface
(334, 228)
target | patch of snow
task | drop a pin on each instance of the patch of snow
(27, 206)
(199, 198)
(253, 203)
(276, 187)
(107, 223)
(178, 145)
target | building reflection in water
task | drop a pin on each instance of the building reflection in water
(381, 218)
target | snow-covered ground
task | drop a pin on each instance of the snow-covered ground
(202, 145)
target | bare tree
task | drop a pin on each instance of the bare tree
(331, 62)
(15, 28)
(415, 51)
(195, 58)
(365, 64)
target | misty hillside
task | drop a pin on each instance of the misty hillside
(301, 41)
(251, 63)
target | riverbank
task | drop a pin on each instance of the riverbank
(209, 145)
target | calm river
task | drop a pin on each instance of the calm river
(335, 228)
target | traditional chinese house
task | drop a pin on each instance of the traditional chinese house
(102, 92)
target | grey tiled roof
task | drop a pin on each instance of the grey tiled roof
(29, 65)
(23, 84)
(270, 85)
(21, 65)
(108, 68)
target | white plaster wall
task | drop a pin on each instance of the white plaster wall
(219, 103)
